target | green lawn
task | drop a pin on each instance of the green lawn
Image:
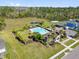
(60, 56)
(63, 39)
(77, 44)
(67, 50)
(69, 42)
(19, 23)
(17, 50)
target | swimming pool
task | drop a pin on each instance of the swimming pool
(71, 25)
(40, 30)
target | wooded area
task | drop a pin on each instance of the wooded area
(40, 12)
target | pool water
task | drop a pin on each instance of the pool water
(39, 30)
(71, 24)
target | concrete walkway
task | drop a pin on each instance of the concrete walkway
(65, 45)
(65, 40)
(74, 39)
(53, 57)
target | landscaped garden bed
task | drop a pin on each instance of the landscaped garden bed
(22, 35)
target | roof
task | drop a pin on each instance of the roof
(71, 24)
(58, 29)
(61, 23)
(74, 54)
(71, 32)
(54, 21)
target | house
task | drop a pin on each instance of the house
(2, 49)
(73, 24)
(61, 24)
(70, 33)
(74, 54)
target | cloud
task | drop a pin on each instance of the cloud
(17, 4)
(14, 4)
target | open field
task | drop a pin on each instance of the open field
(16, 50)
(20, 22)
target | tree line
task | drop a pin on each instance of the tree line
(49, 13)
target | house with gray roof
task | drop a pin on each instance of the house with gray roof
(70, 33)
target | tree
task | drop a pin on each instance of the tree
(2, 23)
(6, 11)
(46, 24)
(41, 12)
(37, 36)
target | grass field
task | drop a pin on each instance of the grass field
(69, 42)
(16, 50)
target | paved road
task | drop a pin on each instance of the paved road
(53, 57)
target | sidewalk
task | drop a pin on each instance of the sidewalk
(53, 57)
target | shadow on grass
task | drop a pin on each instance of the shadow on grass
(20, 40)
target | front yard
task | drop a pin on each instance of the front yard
(69, 42)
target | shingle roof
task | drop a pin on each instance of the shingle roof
(71, 32)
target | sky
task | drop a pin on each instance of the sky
(40, 3)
